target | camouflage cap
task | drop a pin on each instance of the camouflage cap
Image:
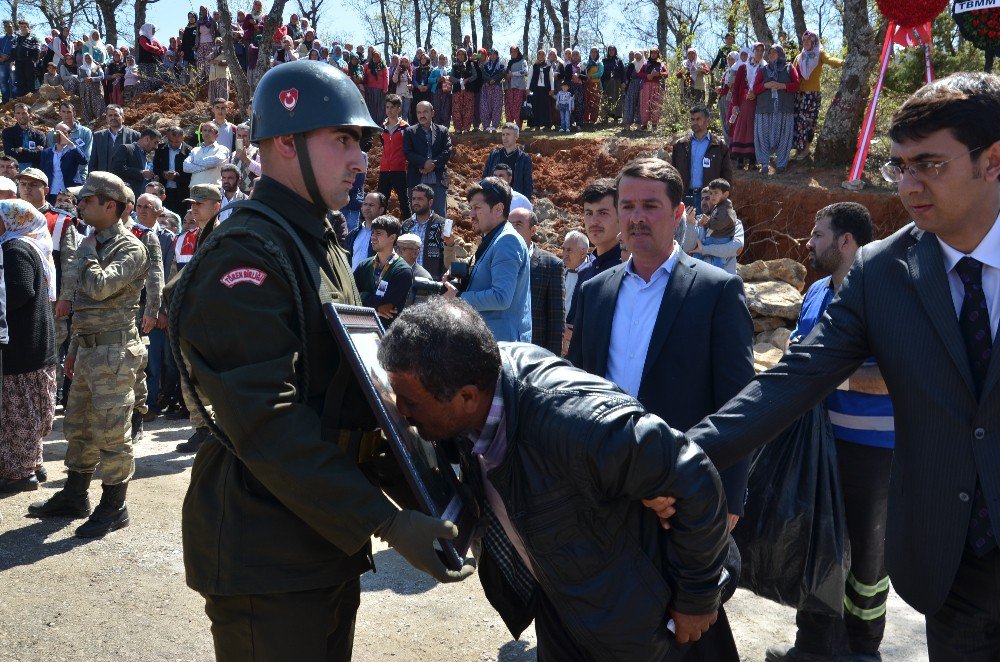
(104, 184)
(34, 173)
(205, 193)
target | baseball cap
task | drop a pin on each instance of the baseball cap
(103, 183)
(7, 184)
(410, 239)
(205, 193)
(33, 173)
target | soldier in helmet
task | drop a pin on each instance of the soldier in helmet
(278, 519)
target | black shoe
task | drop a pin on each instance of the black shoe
(110, 515)
(194, 443)
(41, 474)
(136, 426)
(179, 415)
(71, 501)
(28, 484)
(793, 654)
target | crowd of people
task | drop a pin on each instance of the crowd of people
(131, 258)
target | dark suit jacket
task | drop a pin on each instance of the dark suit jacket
(717, 154)
(128, 162)
(160, 165)
(548, 300)
(103, 148)
(699, 356)
(13, 137)
(349, 243)
(415, 150)
(895, 305)
(69, 164)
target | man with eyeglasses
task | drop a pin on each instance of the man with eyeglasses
(205, 161)
(924, 303)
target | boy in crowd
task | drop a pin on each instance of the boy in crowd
(564, 104)
(721, 225)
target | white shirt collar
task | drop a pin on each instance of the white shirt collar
(987, 252)
(666, 268)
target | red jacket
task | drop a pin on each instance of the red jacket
(393, 159)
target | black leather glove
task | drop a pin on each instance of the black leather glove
(412, 534)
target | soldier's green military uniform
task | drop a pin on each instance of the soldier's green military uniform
(154, 293)
(108, 352)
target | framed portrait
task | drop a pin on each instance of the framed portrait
(431, 478)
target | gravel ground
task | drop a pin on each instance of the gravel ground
(124, 597)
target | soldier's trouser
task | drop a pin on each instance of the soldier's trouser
(141, 406)
(259, 627)
(62, 333)
(197, 420)
(98, 423)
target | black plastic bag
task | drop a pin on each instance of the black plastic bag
(793, 537)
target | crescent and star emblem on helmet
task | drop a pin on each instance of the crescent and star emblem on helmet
(289, 98)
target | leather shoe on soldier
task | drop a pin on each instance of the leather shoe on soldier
(136, 426)
(194, 443)
(179, 414)
(150, 416)
(20, 485)
(793, 654)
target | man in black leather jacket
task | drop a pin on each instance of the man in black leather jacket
(560, 460)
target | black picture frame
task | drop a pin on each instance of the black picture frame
(431, 478)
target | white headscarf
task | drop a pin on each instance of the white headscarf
(147, 31)
(25, 222)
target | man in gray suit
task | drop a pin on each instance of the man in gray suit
(924, 303)
(106, 141)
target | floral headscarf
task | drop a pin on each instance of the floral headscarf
(25, 222)
(809, 59)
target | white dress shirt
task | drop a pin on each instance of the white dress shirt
(636, 310)
(362, 242)
(205, 164)
(987, 252)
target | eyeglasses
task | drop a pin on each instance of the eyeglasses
(922, 171)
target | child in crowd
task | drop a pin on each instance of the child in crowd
(721, 225)
(131, 81)
(564, 104)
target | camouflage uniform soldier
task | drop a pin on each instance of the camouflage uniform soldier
(105, 353)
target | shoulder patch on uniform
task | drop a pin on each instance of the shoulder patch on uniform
(243, 275)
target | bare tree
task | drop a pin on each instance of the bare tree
(527, 27)
(239, 77)
(557, 26)
(455, 22)
(486, 16)
(799, 18)
(472, 23)
(108, 9)
(758, 17)
(416, 22)
(311, 9)
(839, 136)
(59, 13)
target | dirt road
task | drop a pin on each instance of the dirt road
(124, 597)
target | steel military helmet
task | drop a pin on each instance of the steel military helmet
(297, 97)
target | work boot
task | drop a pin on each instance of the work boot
(136, 426)
(71, 501)
(793, 654)
(41, 474)
(194, 443)
(110, 515)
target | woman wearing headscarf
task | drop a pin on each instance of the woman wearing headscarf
(541, 87)
(653, 75)
(286, 53)
(774, 123)
(218, 73)
(491, 94)
(516, 86)
(96, 49)
(593, 72)
(421, 86)
(809, 64)
(376, 82)
(441, 89)
(114, 77)
(148, 57)
(612, 86)
(206, 37)
(91, 89)
(633, 89)
(742, 108)
(337, 57)
(356, 71)
(463, 74)
(574, 73)
(725, 91)
(694, 72)
(189, 41)
(67, 71)
(29, 358)
(401, 82)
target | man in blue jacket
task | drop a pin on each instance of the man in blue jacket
(499, 284)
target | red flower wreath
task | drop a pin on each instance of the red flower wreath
(911, 13)
(981, 27)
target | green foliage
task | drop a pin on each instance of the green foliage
(950, 53)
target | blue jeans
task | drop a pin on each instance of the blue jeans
(711, 259)
(565, 118)
(154, 368)
(6, 82)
